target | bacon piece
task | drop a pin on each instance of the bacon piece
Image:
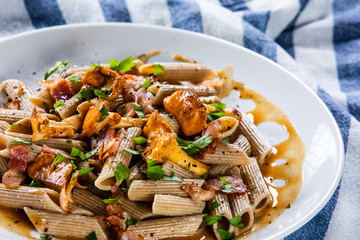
(13, 178)
(197, 193)
(105, 137)
(237, 185)
(55, 151)
(19, 158)
(188, 110)
(111, 147)
(135, 82)
(145, 99)
(130, 235)
(60, 90)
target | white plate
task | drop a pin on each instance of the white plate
(28, 56)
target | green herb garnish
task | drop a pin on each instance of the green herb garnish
(154, 171)
(121, 172)
(194, 147)
(125, 65)
(90, 154)
(86, 94)
(221, 106)
(132, 222)
(56, 68)
(139, 110)
(85, 170)
(227, 185)
(236, 222)
(226, 138)
(37, 184)
(158, 69)
(45, 238)
(225, 235)
(173, 178)
(16, 139)
(91, 236)
(214, 205)
(95, 66)
(46, 107)
(135, 152)
(59, 158)
(212, 219)
(152, 92)
(146, 83)
(112, 200)
(58, 104)
(77, 153)
(104, 113)
(100, 93)
(215, 115)
(140, 140)
(74, 78)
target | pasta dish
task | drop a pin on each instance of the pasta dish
(137, 150)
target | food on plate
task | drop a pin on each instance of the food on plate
(129, 150)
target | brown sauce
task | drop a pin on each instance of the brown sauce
(292, 150)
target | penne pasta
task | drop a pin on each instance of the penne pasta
(170, 168)
(16, 90)
(130, 122)
(220, 169)
(4, 125)
(244, 144)
(136, 210)
(42, 98)
(12, 116)
(89, 201)
(168, 205)
(226, 153)
(171, 120)
(4, 166)
(6, 142)
(225, 212)
(69, 108)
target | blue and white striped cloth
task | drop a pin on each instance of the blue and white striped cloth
(317, 40)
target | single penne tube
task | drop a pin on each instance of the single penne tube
(225, 212)
(114, 103)
(136, 210)
(35, 197)
(259, 194)
(185, 226)
(244, 144)
(42, 98)
(130, 122)
(107, 177)
(227, 153)
(89, 201)
(174, 72)
(17, 90)
(76, 121)
(69, 108)
(260, 147)
(167, 90)
(12, 116)
(169, 205)
(210, 99)
(6, 142)
(219, 169)
(171, 168)
(228, 126)
(22, 126)
(60, 225)
(145, 190)
(4, 166)
(4, 125)
(240, 206)
(92, 188)
(74, 85)
(171, 120)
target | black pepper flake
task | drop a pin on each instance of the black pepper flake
(266, 164)
(288, 206)
(68, 141)
(46, 229)
(17, 221)
(194, 165)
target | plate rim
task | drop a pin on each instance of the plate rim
(330, 192)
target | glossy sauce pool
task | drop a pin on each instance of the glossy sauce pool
(292, 150)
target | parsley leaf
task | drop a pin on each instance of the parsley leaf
(227, 185)
(59, 158)
(139, 110)
(146, 83)
(188, 169)
(104, 113)
(72, 177)
(194, 147)
(108, 90)
(56, 68)
(204, 175)
(125, 189)
(91, 236)
(140, 140)
(58, 104)
(221, 106)
(100, 93)
(37, 184)
(154, 171)
(173, 178)
(125, 65)
(86, 94)
(226, 138)
(112, 200)
(214, 205)
(132, 222)
(73, 164)
(236, 222)
(85, 170)
(132, 151)
(225, 235)
(90, 154)
(212, 219)
(74, 78)
(16, 139)
(45, 238)
(77, 153)
(95, 66)
(121, 172)
(152, 92)
(203, 142)
(215, 115)
(158, 69)
(46, 107)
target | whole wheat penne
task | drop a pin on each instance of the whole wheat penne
(168, 227)
(92, 188)
(168, 205)
(89, 201)
(145, 190)
(62, 225)
(137, 210)
(4, 166)
(167, 90)
(135, 173)
(240, 206)
(17, 90)
(227, 153)
(223, 210)
(22, 126)
(42, 97)
(210, 99)
(6, 142)
(74, 85)
(130, 122)
(76, 121)
(259, 194)
(69, 108)
(107, 178)
(11, 116)
(244, 144)
(174, 72)
(228, 126)
(171, 168)
(4, 125)
(171, 120)
(260, 147)
(219, 169)
(40, 198)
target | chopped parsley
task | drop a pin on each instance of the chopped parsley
(125, 65)
(85, 170)
(158, 69)
(236, 222)
(226, 138)
(86, 94)
(188, 169)
(74, 78)
(135, 152)
(121, 172)
(56, 68)
(59, 158)
(215, 115)
(58, 104)
(204, 175)
(37, 184)
(91, 236)
(100, 93)
(90, 154)
(221, 106)
(95, 66)
(154, 171)
(73, 164)
(104, 113)
(132, 222)
(140, 140)
(214, 205)
(45, 238)
(46, 107)
(125, 189)
(226, 184)
(173, 178)
(225, 235)
(108, 90)
(112, 200)
(139, 110)
(146, 83)
(212, 219)
(16, 139)
(152, 92)
(77, 153)
(194, 147)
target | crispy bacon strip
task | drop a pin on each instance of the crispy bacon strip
(13, 178)
(60, 90)
(19, 158)
(105, 137)
(197, 193)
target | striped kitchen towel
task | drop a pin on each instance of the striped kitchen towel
(317, 40)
